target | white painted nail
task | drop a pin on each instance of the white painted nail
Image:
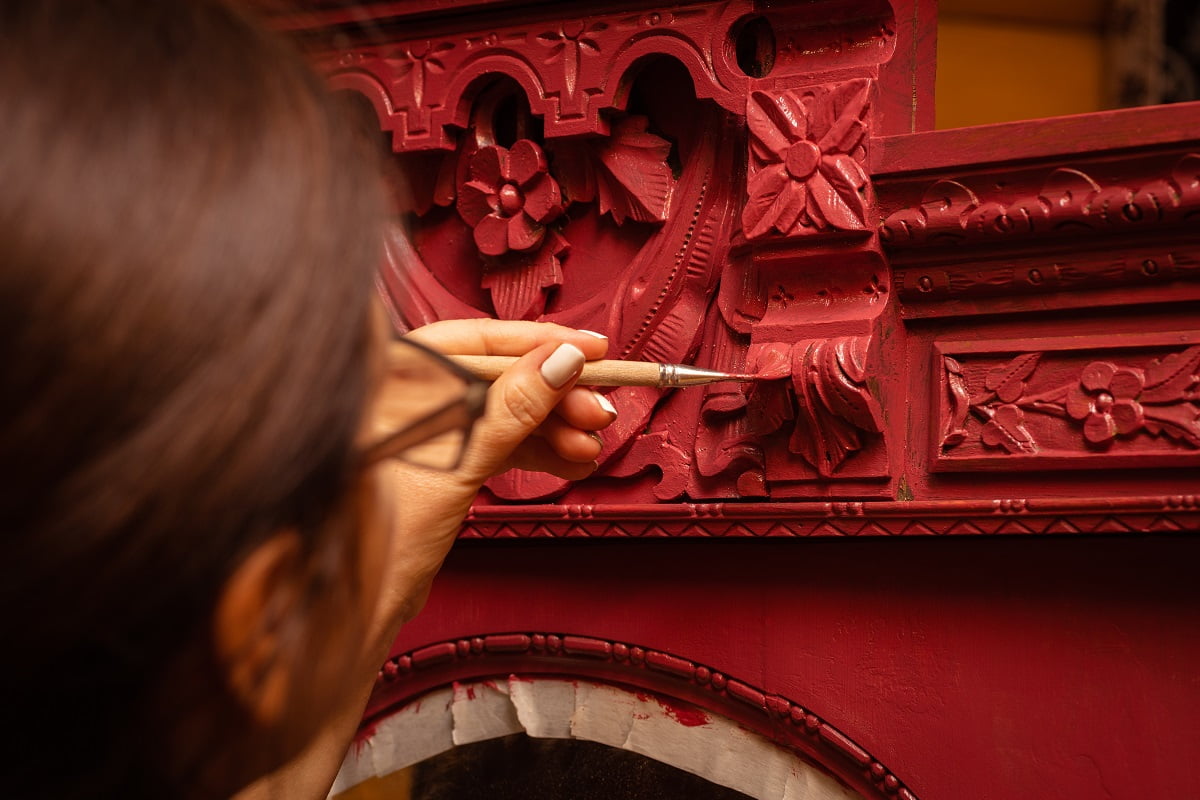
(564, 363)
(605, 405)
(593, 333)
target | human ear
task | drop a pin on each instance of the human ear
(256, 627)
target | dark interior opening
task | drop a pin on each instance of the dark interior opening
(519, 767)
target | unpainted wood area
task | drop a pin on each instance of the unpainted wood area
(519, 767)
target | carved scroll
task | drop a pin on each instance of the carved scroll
(1070, 200)
(820, 387)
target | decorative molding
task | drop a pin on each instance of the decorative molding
(406, 676)
(1149, 264)
(571, 69)
(1070, 203)
(807, 150)
(1002, 516)
(1081, 401)
(575, 69)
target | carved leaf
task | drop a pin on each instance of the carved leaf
(1168, 378)
(1006, 429)
(628, 172)
(775, 121)
(849, 106)
(841, 386)
(833, 410)
(955, 432)
(1179, 421)
(1008, 380)
(838, 199)
(519, 289)
(770, 406)
(772, 361)
(770, 194)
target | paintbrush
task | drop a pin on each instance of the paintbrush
(612, 372)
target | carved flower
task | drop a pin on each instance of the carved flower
(509, 198)
(806, 150)
(1106, 399)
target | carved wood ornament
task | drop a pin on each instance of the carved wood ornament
(976, 333)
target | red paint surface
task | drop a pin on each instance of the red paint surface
(941, 318)
(989, 669)
(687, 717)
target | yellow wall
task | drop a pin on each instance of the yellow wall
(1019, 62)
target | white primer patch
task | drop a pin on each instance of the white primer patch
(718, 750)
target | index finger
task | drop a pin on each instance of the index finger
(496, 337)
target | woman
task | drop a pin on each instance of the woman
(209, 535)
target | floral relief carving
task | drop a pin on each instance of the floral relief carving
(512, 196)
(806, 171)
(1105, 401)
(509, 198)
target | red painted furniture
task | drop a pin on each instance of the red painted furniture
(948, 549)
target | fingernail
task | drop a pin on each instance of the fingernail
(605, 405)
(593, 333)
(596, 436)
(564, 363)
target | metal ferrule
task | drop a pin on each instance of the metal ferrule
(683, 375)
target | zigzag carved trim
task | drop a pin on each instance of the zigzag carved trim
(1008, 516)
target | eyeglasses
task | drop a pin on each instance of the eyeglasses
(426, 409)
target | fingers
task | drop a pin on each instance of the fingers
(586, 409)
(493, 337)
(569, 442)
(535, 395)
(538, 455)
(519, 401)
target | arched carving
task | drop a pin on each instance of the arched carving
(682, 686)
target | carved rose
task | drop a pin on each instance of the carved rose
(1106, 400)
(805, 154)
(509, 198)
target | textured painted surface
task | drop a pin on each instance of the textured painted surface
(983, 341)
(989, 669)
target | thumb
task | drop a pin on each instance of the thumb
(519, 401)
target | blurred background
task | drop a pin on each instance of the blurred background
(1020, 59)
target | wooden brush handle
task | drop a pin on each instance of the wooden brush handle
(595, 373)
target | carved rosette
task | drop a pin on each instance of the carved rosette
(509, 198)
(807, 150)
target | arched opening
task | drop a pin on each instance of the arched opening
(554, 724)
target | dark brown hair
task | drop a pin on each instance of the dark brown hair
(187, 233)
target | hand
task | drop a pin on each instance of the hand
(529, 423)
